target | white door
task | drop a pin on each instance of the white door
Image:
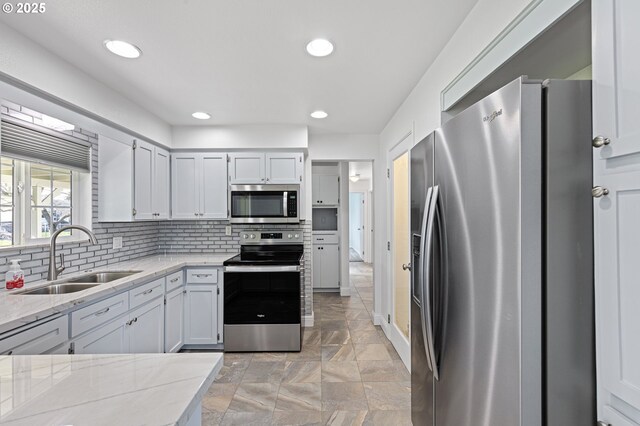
(146, 332)
(185, 192)
(247, 168)
(162, 184)
(331, 266)
(143, 157)
(174, 320)
(616, 102)
(356, 222)
(213, 186)
(112, 338)
(317, 266)
(201, 314)
(283, 168)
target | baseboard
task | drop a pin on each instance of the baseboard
(379, 319)
(345, 291)
(308, 320)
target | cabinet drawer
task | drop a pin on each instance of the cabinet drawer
(202, 276)
(144, 293)
(93, 315)
(38, 339)
(174, 281)
(325, 239)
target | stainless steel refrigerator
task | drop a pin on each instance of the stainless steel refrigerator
(502, 327)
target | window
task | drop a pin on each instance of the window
(38, 199)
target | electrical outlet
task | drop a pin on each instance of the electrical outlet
(227, 230)
(117, 242)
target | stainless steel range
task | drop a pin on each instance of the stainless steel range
(262, 292)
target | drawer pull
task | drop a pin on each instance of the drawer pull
(10, 352)
(129, 322)
(174, 280)
(147, 292)
(102, 312)
(203, 275)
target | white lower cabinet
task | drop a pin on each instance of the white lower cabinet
(146, 329)
(112, 338)
(326, 266)
(201, 314)
(37, 339)
(174, 320)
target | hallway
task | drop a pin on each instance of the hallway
(347, 373)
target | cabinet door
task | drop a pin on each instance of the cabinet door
(201, 314)
(246, 167)
(162, 184)
(328, 190)
(317, 266)
(330, 266)
(143, 178)
(38, 339)
(174, 320)
(185, 201)
(616, 100)
(112, 338)
(146, 332)
(284, 168)
(213, 184)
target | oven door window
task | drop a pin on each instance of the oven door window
(262, 298)
(257, 204)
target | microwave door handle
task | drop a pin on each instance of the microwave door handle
(285, 213)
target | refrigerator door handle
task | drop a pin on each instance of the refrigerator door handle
(426, 293)
(421, 271)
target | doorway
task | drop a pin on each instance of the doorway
(356, 227)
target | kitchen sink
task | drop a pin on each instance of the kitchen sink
(102, 277)
(64, 288)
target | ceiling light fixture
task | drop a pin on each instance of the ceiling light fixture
(319, 114)
(123, 49)
(320, 47)
(201, 115)
(354, 178)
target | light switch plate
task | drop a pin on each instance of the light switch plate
(227, 230)
(117, 242)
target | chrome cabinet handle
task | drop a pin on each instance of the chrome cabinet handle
(598, 191)
(196, 214)
(600, 141)
(102, 312)
(406, 267)
(147, 292)
(129, 322)
(10, 352)
(174, 280)
(202, 275)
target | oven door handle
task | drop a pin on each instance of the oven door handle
(262, 268)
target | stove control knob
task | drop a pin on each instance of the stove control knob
(296, 236)
(253, 236)
(289, 236)
(245, 236)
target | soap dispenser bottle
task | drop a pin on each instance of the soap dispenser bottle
(14, 277)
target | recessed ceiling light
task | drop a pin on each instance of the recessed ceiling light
(319, 47)
(201, 115)
(319, 114)
(122, 48)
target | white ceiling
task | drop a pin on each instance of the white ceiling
(362, 168)
(244, 61)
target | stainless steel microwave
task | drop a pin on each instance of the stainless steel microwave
(264, 203)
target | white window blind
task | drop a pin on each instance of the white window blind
(29, 142)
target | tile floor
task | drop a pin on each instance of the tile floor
(347, 373)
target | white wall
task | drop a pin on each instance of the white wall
(420, 112)
(32, 65)
(259, 137)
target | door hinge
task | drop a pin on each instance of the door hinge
(388, 318)
(133, 211)
(218, 290)
(165, 300)
(72, 348)
(300, 157)
(300, 178)
(218, 337)
(388, 173)
(135, 144)
(228, 158)
(389, 245)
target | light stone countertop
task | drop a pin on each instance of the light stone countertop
(131, 389)
(18, 310)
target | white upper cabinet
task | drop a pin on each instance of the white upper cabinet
(199, 186)
(616, 131)
(133, 181)
(266, 168)
(247, 168)
(284, 168)
(325, 190)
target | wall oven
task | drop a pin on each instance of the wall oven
(264, 203)
(263, 292)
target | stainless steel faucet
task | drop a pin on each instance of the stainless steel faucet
(55, 270)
